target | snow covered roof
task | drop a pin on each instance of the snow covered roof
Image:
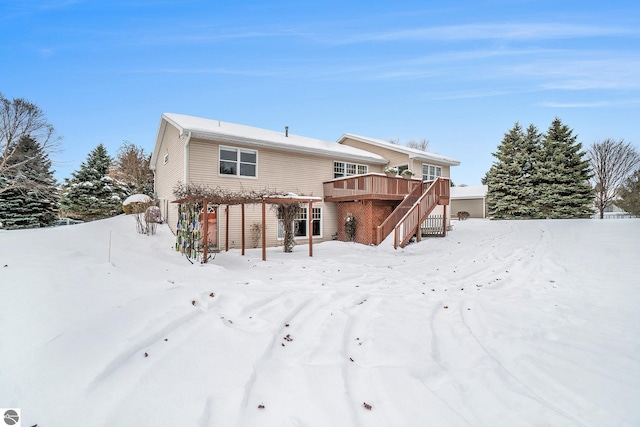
(246, 135)
(469, 192)
(411, 152)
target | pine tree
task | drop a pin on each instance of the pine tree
(563, 175)
(91, 193)
(29, 199)
(511, 180)
(630, 195)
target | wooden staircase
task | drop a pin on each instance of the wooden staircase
(407, 217)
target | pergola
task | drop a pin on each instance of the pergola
(229, 199)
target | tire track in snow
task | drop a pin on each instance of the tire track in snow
(354, 322)
(140, 345)
(529, 391)
(435, 354)
(269, 349)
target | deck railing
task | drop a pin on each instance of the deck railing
(371, 185)
(436, 194)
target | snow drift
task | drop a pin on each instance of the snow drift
(500, 323)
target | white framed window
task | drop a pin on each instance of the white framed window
(431, 172)
(238, 162)
(301, 224)
(342, 169)
(166, 158)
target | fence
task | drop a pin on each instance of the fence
(432, 226)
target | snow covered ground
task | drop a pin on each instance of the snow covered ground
(500, 324)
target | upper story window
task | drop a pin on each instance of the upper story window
(238, 162)
(166, 158)
(431, 172)
(341, 169)
(402, 168)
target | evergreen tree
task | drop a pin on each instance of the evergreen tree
(563, 175)
(29, 196)
(511, 179)
(630, 194)
(91, 193)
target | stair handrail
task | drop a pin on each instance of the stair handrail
(387, 226)
(423, 206)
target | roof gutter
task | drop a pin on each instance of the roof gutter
(230, 139)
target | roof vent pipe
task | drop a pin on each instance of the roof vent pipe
(286, 131)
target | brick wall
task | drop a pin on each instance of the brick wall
(368, 214)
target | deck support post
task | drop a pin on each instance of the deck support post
(444, 220)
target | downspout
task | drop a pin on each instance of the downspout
(186, 160)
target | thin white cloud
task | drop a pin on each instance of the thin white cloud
(190, 71)
(603, 72)
(593, 104)
(475, 94)
(524, 31)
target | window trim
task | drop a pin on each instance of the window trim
(402, 167)
(166, 159)
(238, 161)
(345, 166)
(425, 177)
(280, 226)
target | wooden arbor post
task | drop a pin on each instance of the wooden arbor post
(205, 231)
(226, 231)
(242, 238)
(264, 230)
(310, 219)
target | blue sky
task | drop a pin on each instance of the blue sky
(459, 73)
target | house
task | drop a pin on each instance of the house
(471, 198)
(238, 158)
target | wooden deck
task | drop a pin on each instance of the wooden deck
(417, 199)
(368, 186)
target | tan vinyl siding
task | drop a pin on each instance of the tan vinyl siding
(277, 171)
(169, 174)
(253, 215)
(394, 157)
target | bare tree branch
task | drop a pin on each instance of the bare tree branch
(611, 163)
(422, 144)
(20, 118)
